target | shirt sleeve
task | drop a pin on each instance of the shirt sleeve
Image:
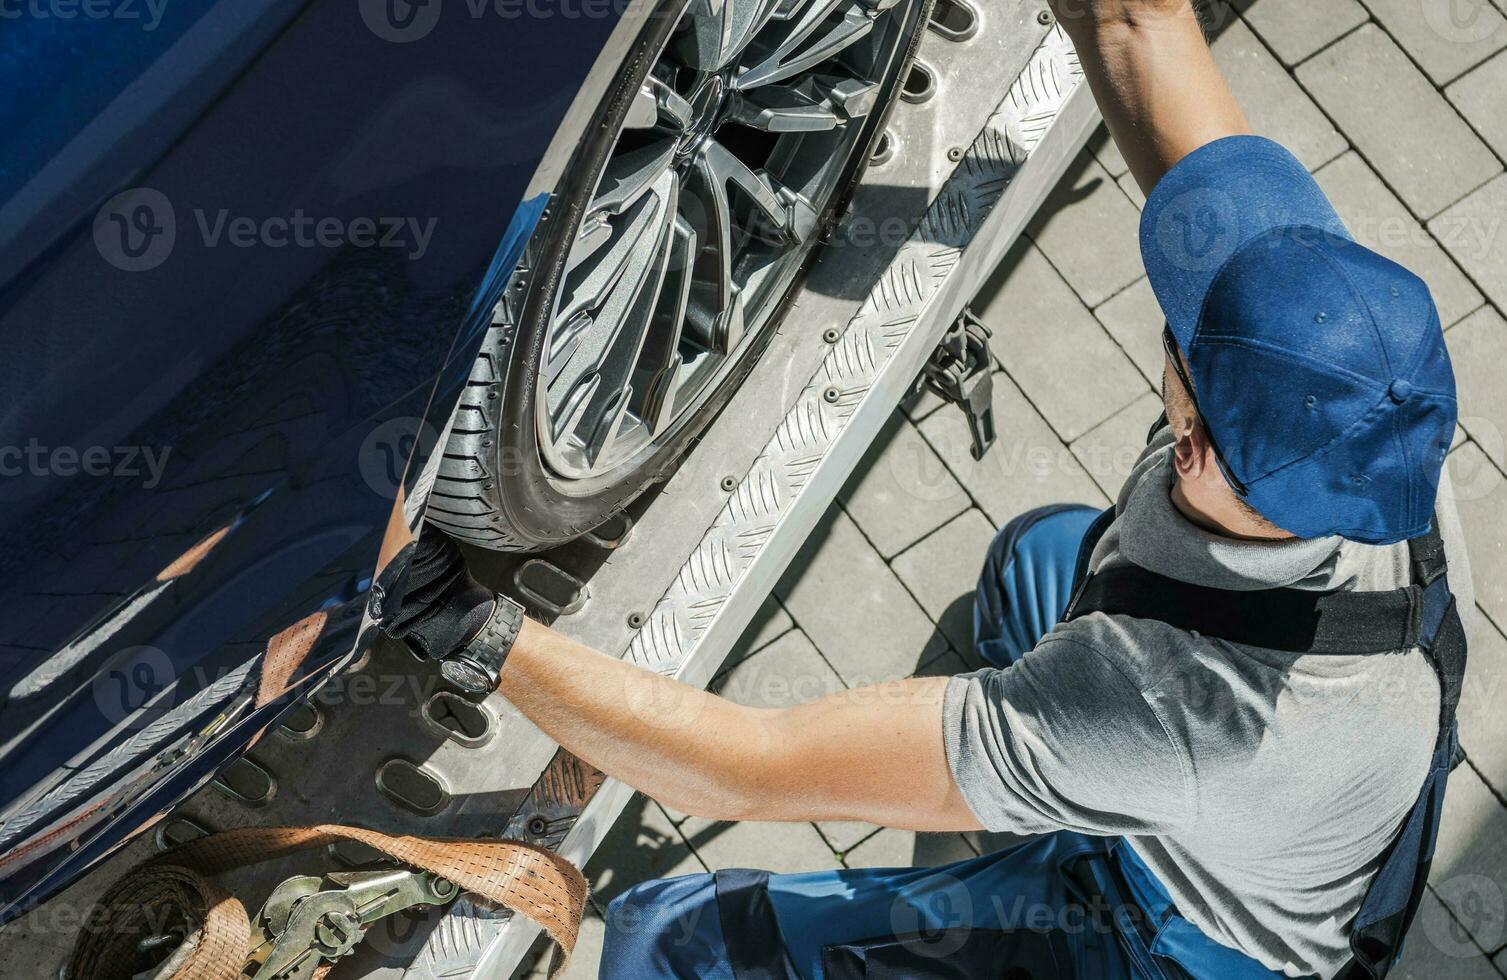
(1064, 739)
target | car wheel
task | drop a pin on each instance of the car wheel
(666, 256)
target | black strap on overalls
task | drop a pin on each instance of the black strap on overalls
(1298, 621)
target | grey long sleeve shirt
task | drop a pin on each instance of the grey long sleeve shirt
(1260, 786)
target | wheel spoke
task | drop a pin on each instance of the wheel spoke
(597, 382)
(793, 55)
(783, 216)
(630, 174)
(659, 373)
(587, 286)
(656, 104)
(688, 239)
(814, 104)
(721, 29)
(777, 109)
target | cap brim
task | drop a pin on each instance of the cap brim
(1214, 201)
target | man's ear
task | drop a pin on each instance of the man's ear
(1191, 451)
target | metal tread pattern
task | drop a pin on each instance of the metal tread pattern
(571, 801)
(885, 319)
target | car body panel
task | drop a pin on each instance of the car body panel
(209, 418)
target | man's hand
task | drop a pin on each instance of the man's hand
(875, 754)
(1154, 78)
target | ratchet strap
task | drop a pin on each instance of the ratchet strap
(171, 894)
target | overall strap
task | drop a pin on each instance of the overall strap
(750, 930)
(1294, 620)
(1392, 900)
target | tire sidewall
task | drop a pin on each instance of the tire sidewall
(533, 502)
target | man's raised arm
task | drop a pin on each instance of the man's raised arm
(1154, 78)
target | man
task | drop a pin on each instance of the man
(1231, 801)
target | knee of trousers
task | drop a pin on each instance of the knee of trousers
(666, 928)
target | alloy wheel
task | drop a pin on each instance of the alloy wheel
(731, 150)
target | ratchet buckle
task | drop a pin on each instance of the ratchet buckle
(310, 920)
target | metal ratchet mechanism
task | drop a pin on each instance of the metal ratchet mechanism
(959, 371)
(308, 920)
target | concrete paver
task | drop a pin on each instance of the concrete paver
(1469, 874)
(1107, 153)
(1134, 319)
(1451, 956)
(942, 571)
(1419, 145)
(1472, 232)
(1483, 723)
(642, 845)
(1481, 97)
(1478, 350)
(1087, 230)
(1049, 342)
(1109, 451)
(768, 625)
(1029, 466)
(785, 673)
(902, 491)
(860, 617)
(908, 849)
(1446, 39)
(1273, 102)
(784, 848)
(1481, 497)
(1295, 29)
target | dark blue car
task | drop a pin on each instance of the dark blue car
(280, 279)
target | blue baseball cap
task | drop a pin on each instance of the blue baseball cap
(1318, 366)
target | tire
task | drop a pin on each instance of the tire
(496, 488)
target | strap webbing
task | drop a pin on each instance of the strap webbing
(750, 931)
(173, 888)
(1294, 620)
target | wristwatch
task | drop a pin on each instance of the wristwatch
(476, 666)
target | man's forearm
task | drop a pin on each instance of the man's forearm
(1154, 79)
(680, 745)
(840, 757)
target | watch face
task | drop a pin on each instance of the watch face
(466, 676)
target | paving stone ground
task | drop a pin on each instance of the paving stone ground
(1400, 107)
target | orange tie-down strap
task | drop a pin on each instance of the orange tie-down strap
(173, 889)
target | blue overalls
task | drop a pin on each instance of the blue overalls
(1064, 905)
